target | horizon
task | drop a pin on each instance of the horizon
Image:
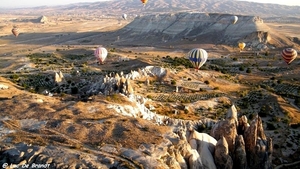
(11, 4)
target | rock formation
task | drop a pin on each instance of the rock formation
(58, 77)
(196, 26)
(259, 149)
(184, 148)
(42, 19)
(239, 156)
(222, 158)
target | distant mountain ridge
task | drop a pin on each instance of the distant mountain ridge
(116, 7)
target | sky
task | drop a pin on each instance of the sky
(33, 3)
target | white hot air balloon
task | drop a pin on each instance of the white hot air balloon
(124, 16)
(234, 19)
(101, 54)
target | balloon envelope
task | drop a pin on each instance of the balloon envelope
(288, 55)
(124, 16)
(197, 57)
(242, 45)
(234, 19)
(15, 31)
(144, 1)
(101, 54)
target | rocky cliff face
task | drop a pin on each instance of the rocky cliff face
(197, 28)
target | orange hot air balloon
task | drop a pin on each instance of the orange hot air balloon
(144, 2)
(288, 55)
(15, 31)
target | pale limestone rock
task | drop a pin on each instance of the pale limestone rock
(205, 145)
(195, 160)
(232, 113)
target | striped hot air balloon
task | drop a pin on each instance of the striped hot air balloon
(15, 31)
(101, 54)
(197, 57)
(288, 55)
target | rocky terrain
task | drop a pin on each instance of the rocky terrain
(146, 107)
(182, 146)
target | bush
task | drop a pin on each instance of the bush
(74, 90)
(267, 53)
(173, 82)
(271, 126)
(248, 70)
(206, 82)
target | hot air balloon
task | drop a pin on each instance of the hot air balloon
(197, 57)
(15, 31)
(242, 45)
(288, 55)
(100, 53)
(124, 16)
(233, 19)
(144, 2)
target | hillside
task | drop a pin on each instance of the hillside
(200, 28)
(133, 7)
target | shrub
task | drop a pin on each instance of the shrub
(206, 82)
(248, 70)
(173, 82)
(267, 53)
(271, 126)
(74, 90)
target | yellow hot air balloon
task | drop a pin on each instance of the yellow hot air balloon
(242, 45)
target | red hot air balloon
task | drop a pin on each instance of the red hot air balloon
(15, 31)
(288, 55)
